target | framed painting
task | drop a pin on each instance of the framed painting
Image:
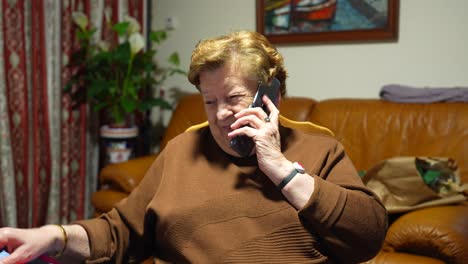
(327, 21)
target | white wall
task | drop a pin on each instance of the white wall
(432, 49)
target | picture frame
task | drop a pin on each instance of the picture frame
(327, 21)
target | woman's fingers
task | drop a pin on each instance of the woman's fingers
(24, 245)
(274, 112)
(19, 255)
(250, 120)
(256, 117)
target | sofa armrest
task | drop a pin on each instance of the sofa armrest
(104, 200)
(438, 232)
(398, 258)
(125, 176)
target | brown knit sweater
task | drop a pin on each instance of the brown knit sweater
(199, 205)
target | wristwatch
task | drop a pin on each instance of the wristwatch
(297, 169)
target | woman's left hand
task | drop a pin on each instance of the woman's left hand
(264, 130)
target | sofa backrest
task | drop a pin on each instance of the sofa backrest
(190, 111)
(373, 130)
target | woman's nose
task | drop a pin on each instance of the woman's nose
(223, 112)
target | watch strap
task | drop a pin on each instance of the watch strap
(297, 169)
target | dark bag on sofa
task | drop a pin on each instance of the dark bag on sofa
(408, 183)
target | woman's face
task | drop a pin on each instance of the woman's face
(225, 91)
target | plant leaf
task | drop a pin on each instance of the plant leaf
(158, 36)
(178, 71)
(122, 55)
(174, 59)
(152, 102)
(121, 28)
(128, 104)
(96, 87)
(100, 105)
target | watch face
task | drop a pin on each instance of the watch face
(298, 167)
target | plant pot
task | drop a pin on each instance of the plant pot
(118, 143)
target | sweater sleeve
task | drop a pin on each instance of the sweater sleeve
(125, 233)
(349, 218)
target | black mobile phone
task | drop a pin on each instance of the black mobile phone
(243, 145)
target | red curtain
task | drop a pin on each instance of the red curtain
(41, 171)
(17, 101)
(29, 113)
(73, 130)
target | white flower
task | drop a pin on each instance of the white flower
(108, 14)
(137, 43)
(80, 19)
(103, 45)
(133, 25)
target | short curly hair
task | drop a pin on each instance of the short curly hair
(251, 49)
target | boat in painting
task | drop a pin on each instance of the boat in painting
(283, 14)
(313, 10)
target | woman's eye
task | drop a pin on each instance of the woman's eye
(234, 97)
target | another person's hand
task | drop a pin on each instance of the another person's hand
(27, 244)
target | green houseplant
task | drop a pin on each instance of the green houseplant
(115, 77)
(118, 80)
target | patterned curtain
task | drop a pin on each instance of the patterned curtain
(48, 151)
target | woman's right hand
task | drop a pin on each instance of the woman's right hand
(27, 244)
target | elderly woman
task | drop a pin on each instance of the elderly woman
(202, 201)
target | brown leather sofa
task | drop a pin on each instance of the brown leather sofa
(371, 130)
